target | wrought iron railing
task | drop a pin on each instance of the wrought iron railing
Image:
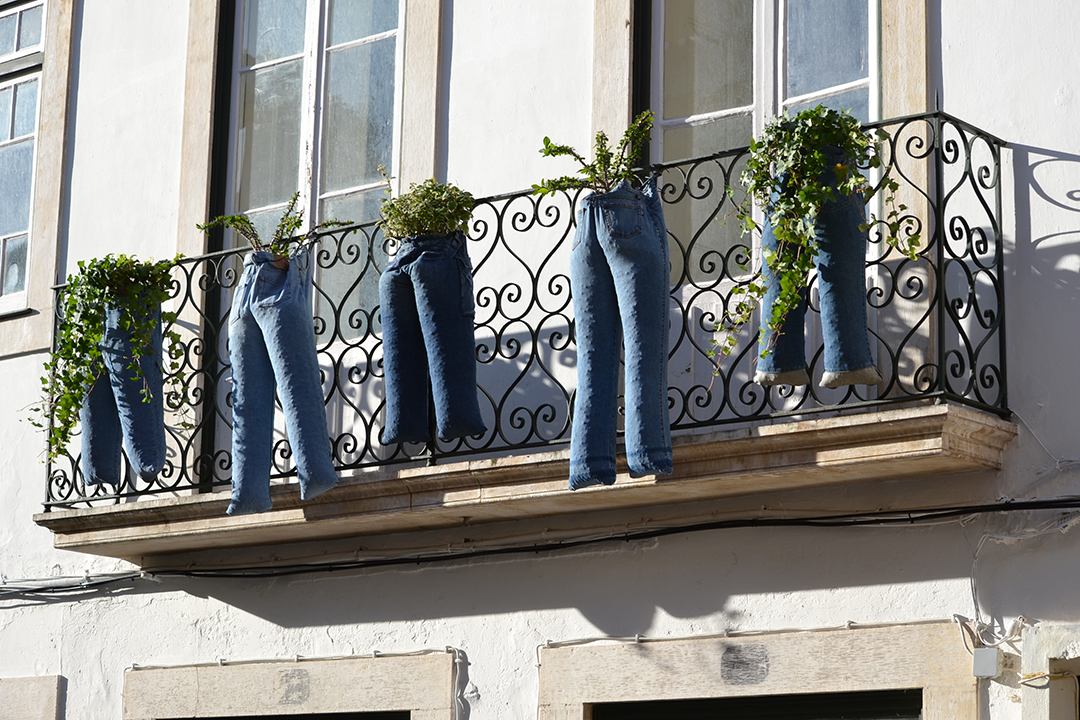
(936, 323)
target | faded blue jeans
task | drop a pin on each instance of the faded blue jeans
(272, 347)
(116, 412)
(841, 267)
(619, 281)
(427, 308)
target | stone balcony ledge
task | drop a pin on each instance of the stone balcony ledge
(911, 442)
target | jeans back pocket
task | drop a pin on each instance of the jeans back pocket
(272, 286)
(622, 219)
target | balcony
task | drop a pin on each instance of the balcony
(936, 326)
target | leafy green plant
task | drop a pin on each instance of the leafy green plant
(137, 288)
(784, 177)
(610, 166)
(428, 208)
(284, 234)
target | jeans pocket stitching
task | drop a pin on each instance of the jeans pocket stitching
(606, 212)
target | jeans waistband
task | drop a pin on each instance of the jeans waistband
(258, 257)
(455, 240)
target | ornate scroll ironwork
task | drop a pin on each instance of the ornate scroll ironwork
(936, 322)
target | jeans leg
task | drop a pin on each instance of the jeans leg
(444, 303)
(284, 314)
(597, 332)
(842, 286)
(142, 419)
(634, 240)
(101, 434)
(785, 361)
(252, 403)
(404, 360)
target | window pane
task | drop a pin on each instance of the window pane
(355, 208)
(6, 96)
(273, 29)
(269, 137)
(355, 19)
(708, 56)
(359, 129)
(826, 44)
(353, 280)
(265, 223)
(26, 96)
(30, 29)
(693, 141)
(14, 271)
(16, 166)
(856, 101)
(7, 34)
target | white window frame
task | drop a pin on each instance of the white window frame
(769, 68)
(312, 102)
(13, 71)
(23, 58)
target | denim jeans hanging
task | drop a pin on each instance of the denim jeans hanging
(115, 411)
(619, 281)
(841, 268)
(272, 347)
(427, 308)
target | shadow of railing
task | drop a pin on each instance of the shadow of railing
(936, 322)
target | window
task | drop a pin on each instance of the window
(315, 101)
(741, 677)
(387, 687)
(878, 705)
(20, 64)
(720, 70)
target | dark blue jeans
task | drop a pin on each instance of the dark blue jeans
(841, 267)
(272, 348)
(619, 281)
(427, 308)
(116, 412)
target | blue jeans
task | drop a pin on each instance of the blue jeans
(115, 411)
(619, 282)
(427, 308)
(272, 346)
(841, 266)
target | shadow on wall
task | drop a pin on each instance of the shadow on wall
(623, 587)
(1043, 295)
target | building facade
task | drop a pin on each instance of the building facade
(898, 551)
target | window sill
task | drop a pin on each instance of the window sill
(887, 445)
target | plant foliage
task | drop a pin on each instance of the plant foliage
(284, 233)
(611, 165)
(784, 177)
(137, 288)
(428, 208)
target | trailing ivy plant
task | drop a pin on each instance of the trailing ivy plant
(284, 234)
(784, 177)
(137, 288)
(428, 208)
(611, 165)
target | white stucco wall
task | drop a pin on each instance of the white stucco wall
(517, 73)
(125, 120)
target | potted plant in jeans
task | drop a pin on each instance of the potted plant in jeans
(806, 173)
(106, 369)
(272, 348)
(619, 282)
(427, 309)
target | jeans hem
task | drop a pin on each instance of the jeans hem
(783, 377)
(650, 463)
(862, 376)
